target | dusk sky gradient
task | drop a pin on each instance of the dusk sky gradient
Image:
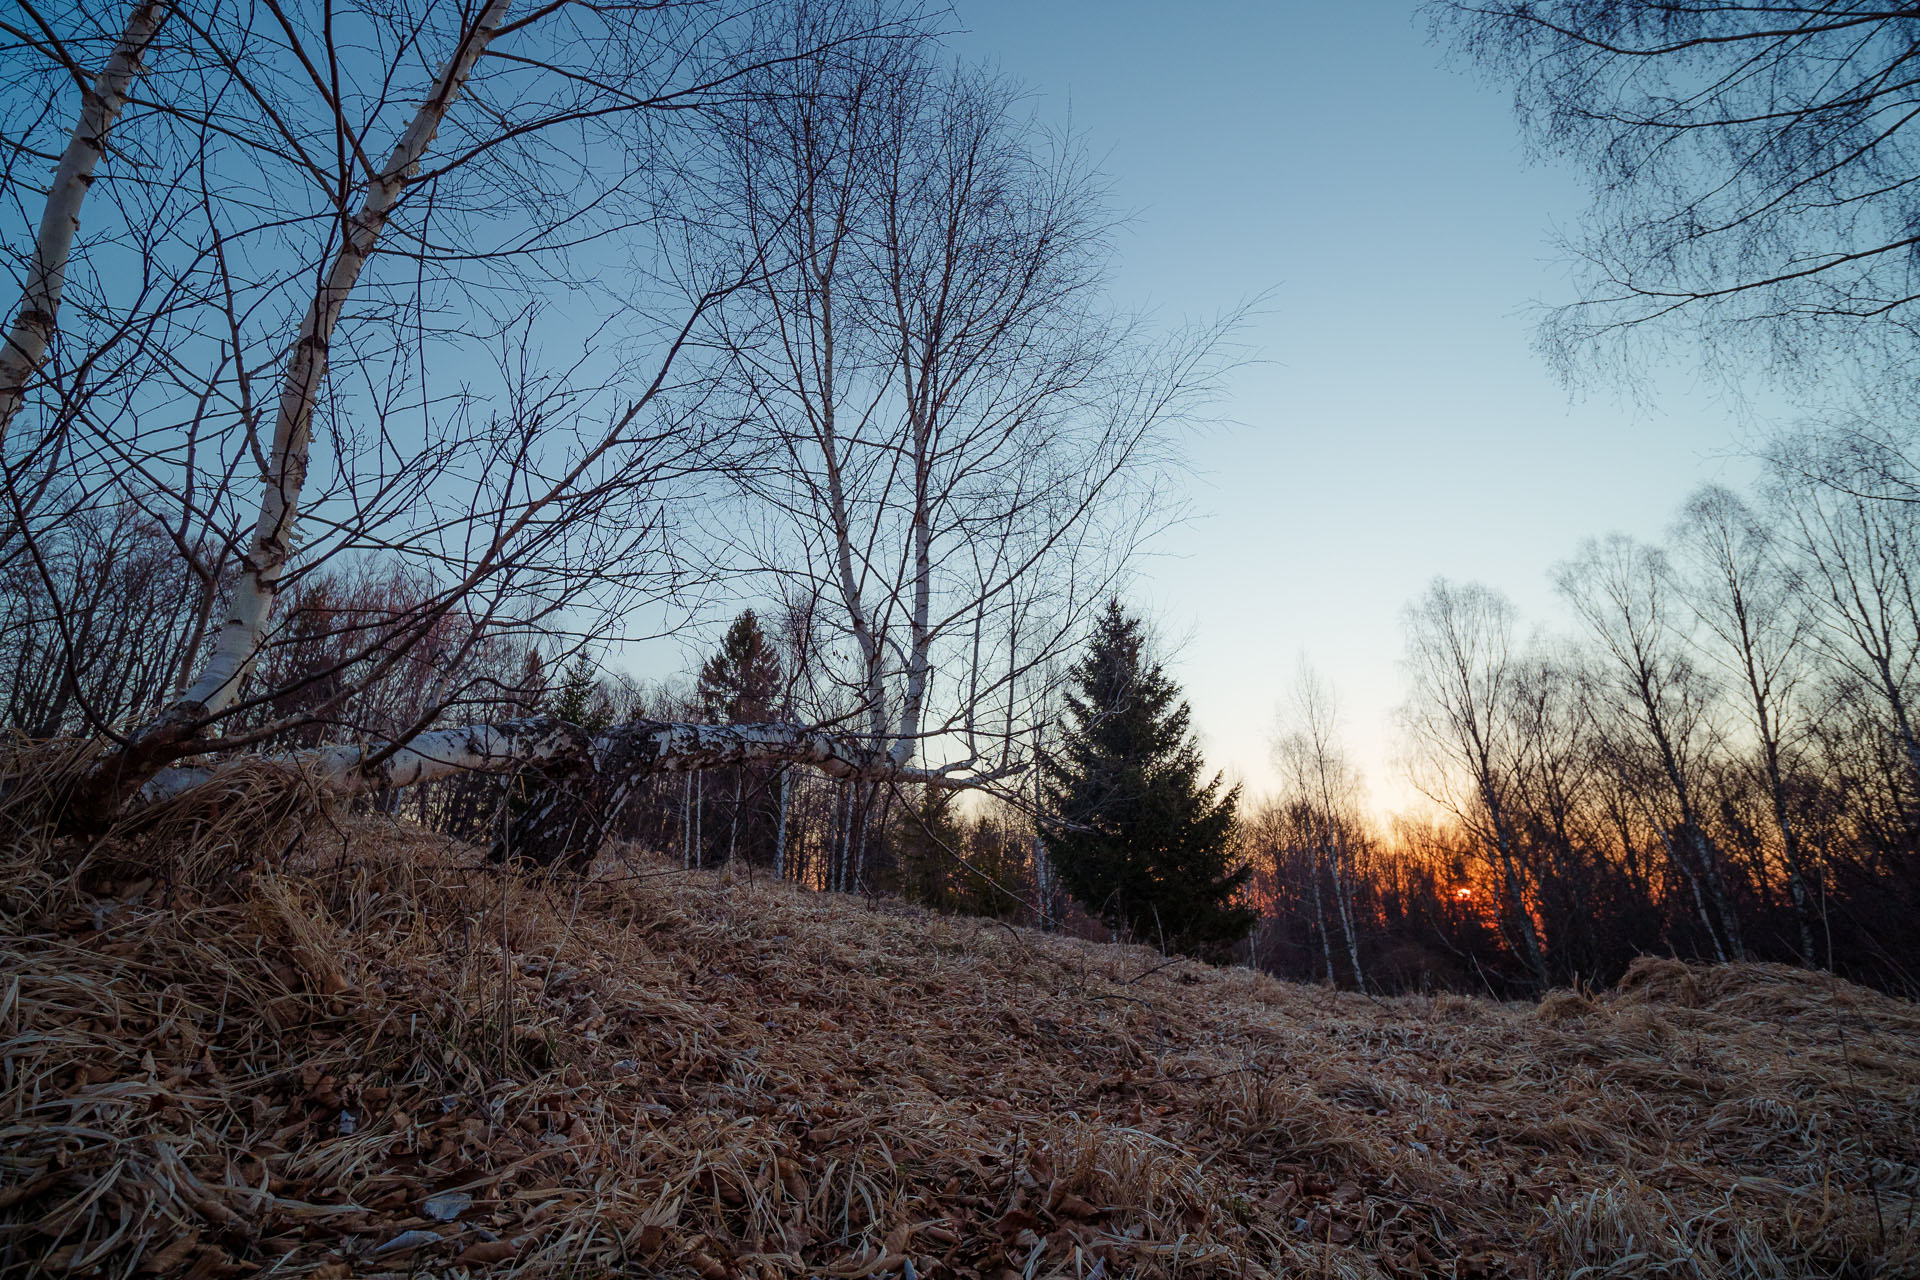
(1400, 425)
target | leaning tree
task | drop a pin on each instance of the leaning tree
(311, 315)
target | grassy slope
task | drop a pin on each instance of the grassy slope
(716, 1078)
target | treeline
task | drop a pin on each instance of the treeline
(1718, 761)
(94, 631)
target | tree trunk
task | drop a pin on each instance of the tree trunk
(579, 783)
(37, 319)
(244, 630)
(780, 833)
(733, 824)
(1320, 915)
(1343, 901)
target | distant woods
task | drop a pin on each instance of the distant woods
(1717, 760)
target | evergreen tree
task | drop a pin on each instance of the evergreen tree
(580, 699)
(741, 683)
(1134, 834)
(929, 836)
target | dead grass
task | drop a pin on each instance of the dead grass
(269, 1072)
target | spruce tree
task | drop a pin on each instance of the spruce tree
(741, 685)
(1133, 832)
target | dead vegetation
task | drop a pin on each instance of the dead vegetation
(371, 1053)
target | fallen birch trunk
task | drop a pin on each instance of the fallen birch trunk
(580, 783)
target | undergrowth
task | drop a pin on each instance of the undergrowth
(325, 1047)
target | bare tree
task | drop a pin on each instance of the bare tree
(1461, 660)
(1752, 166)
(948, 423)
(1321, 780)
(1860, 568)
(540, 511)
(1656, 699)
(1757, 627)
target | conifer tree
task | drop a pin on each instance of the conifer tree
(929, 836)
(741, 685)
(580, 699)
(1134, 833)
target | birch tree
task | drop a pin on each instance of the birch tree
(535, 507)
(1661, 702)
(1757, 627)
(37, 314)
(1321, 780)
(1751, 166)
(947, 422)
(1858, 546)
(1462, 665)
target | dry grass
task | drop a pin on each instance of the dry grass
(268, 1073)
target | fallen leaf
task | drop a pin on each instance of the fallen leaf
(487, 1252)
(165, 1260)
(446, 1206)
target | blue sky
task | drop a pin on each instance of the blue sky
(1401, 425)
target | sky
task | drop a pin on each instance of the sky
(1398, 424)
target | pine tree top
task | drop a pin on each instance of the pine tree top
(741, 683)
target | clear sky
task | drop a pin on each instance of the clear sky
(1401, 426)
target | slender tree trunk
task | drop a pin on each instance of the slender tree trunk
(733, 826)
(244, 631)
(1516, 899)
(259, 584)
(842, 808)
(1320, 913)
(1692, 877)
(1723, 903)
(1796, 876)
(37, 319)
(1343, 901)
(780, 833)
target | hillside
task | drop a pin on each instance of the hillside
(302, 1072)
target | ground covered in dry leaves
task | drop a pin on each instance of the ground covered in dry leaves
(386, 1057)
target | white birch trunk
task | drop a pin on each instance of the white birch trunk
(780, 833)
(623, 756)
(733, 823)
(245, 627)
(37, 319)
(918, 666)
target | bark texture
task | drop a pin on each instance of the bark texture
(38, 317)
(572, 786)
(134, 763)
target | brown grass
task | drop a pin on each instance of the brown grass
(658, 1073)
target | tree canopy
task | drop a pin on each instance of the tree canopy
(1753, 168)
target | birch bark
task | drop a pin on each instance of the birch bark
(37, 319)
(244, 630)
(99, 797)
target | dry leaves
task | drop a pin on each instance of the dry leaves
(332, 1069)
